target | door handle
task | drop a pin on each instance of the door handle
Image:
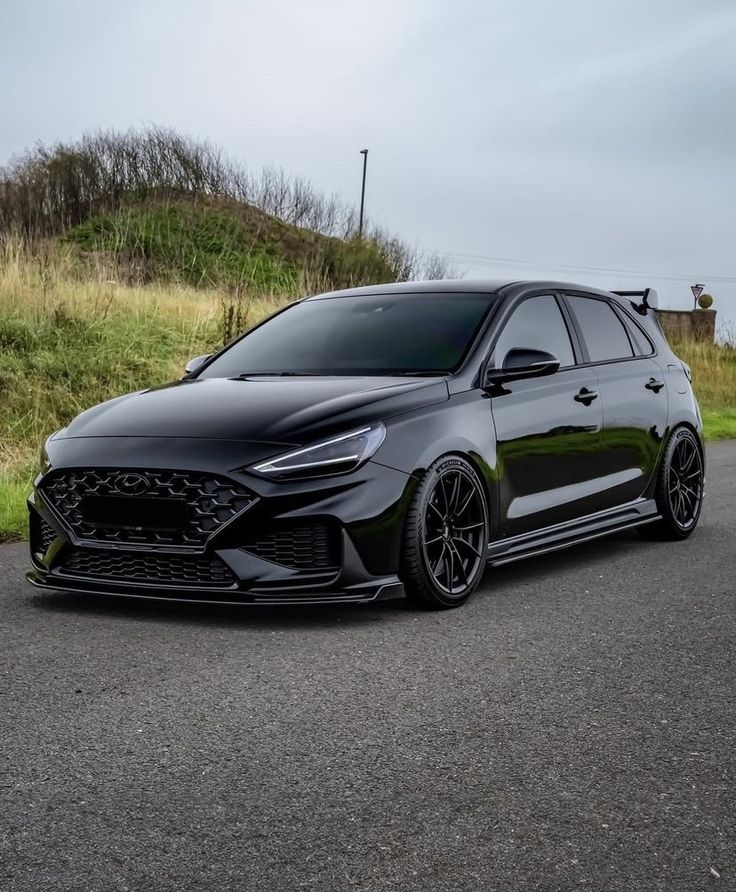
(653, 384)
(585, 396)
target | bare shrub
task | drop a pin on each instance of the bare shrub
(234, 307)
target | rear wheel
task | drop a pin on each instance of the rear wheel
(446, 536)
(680, 487)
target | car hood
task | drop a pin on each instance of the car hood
(274, 409)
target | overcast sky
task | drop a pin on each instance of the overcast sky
(589, 134)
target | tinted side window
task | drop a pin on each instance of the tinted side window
(536, 324)
(642, 345)
(604, 333)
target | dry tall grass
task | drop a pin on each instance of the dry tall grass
(714, 378)
(714, 372)
(66, 344)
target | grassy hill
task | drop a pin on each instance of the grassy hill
(202, 241)
(152, 205)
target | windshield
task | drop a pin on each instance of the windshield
(384, 334)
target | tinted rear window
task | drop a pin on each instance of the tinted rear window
(361, 335)
(603, 332)
(642, 345)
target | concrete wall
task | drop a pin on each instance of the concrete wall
(688, 325)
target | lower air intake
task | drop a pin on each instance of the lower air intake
(163, 569)
(41, 533)
(312, 546)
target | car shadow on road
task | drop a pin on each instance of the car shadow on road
(498, 583)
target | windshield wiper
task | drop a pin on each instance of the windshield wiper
(244, 375)
(406, 373)
(421, 373)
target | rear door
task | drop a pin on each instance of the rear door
(547, 429)
(633, 395)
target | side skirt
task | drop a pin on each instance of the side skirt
(572, 532)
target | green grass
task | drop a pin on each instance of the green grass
(207, 242)
(13, 516)
(185, 242)
(719, 425)
(714, 378)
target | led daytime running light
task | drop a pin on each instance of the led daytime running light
(288, 464)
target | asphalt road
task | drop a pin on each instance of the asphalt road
(572, 726)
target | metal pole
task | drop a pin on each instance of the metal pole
(364, 153)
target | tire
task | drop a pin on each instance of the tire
(679, 490)
(445, 536)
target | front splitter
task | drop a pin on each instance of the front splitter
(384, 591)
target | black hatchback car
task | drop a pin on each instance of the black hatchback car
(378, 442)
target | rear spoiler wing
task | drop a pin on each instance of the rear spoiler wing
(648, 297)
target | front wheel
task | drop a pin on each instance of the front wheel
(446, 536)
(680, 488)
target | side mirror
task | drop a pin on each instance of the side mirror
(523, 363)
(194, 365)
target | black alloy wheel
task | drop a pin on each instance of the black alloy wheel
(685, 483)
(680, 488)
(446, 537)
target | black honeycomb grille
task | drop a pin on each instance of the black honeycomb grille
(299, 547)
(42, 534)
(133, 566)
(203, 504)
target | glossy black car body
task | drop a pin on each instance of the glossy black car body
(155, 494)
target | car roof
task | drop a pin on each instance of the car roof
(486, 286)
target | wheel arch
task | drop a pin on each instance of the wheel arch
(693, 428)
(481, 467)
(698, 438)
(487, 475)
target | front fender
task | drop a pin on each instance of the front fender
(464, 425)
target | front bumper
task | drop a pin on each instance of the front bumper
(336, 540)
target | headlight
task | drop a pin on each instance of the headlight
(338, 455)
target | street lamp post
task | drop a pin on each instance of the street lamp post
(364, 153)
